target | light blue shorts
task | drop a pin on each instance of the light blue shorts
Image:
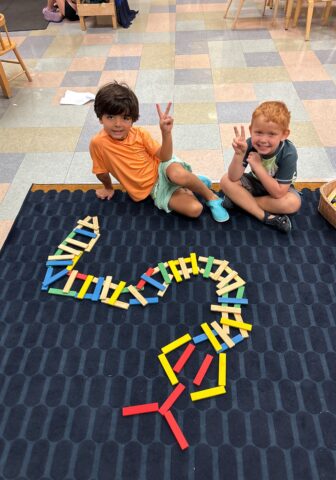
(163, 189)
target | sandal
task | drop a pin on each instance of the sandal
(280, 222)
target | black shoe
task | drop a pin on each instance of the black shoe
(228, 203)
(280, 222)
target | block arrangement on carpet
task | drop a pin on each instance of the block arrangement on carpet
(69, 366)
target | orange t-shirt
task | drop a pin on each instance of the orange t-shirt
(131, 161)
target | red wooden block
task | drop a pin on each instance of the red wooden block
(171, 399)
(203, 369)
(143, 408)
(142, 283)
(80, 276)
(184, 358)
(182, 441)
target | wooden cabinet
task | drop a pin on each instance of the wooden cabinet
(96, 10)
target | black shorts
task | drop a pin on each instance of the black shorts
(69, 12)
(256, 188)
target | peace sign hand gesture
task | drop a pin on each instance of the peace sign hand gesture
(239, 143)
(166, 121)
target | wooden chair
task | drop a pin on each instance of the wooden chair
(274, 4)
(310, 10)
(7, 45)
(96, 10)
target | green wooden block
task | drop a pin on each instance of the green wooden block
(164, 273)
(58, 291)
(208, 267)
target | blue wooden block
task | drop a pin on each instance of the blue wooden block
(85, 232)
(202, 337)
(134, 301)
(58, 263)
(237, 339)
(98, 288)
(240, 301)
(48, 279)
(153, 282)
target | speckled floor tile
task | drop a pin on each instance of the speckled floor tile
(195, 113)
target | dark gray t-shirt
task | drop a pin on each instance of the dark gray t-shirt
(281, 165)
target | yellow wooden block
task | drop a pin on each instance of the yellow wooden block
(85, 287)
(70, 281)
(194, 264)
(213, 340)
(176, 343)
(234, 323)
(175, 272)
(136, 294)
(168, 369)
(117, 292)
(223, 334)
(222, 369)
(209, 392)
(75, 260)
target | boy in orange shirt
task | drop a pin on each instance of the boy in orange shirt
(142, 165)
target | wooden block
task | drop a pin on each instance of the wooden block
(176, 430)
(59, 291)
(85, 223)
(220, 308)
(153, 282)
(208, 267)
(222, 369)
(235, 324)
(142, 282)
(239, 318)
(137, 295)
(61, 257)
(74, 261)
(209, 392)
(194, 264)
(137, 409)
(233, 300)
(230, 288)
(184, 358)
(95, 223)
(171, 399)
(149, 300)
(65, 248)
(222, 334)
(106, 287)
(165, 275)
(77, 243)
(58, 263)
(85, 233)
(116, 292)
(213, 340)
(117, 304)
(202, 370)
(162, 292)
(168, 369)
(85, 287)
(98, 288)
(70, 281)
(50, 278)
(176, 343)
(220, 270)
(92, 243)
(227, 279)
(185, 270)
(174, 270)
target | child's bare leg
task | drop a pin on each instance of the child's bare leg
(242, 197)
(184, 202)
(180, 176)
(289, 203)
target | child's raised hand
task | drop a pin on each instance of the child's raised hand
(166, 121)
(239, 143)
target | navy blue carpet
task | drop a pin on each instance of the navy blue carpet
(69, 366)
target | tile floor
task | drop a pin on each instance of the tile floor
(176, 50)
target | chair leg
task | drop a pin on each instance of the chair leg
(4, 83)
(309, 18)
(275, 11)
(326, 13)
(297, 12)
(289, 9)
(21, 62)
(241, 3)
(227, 8)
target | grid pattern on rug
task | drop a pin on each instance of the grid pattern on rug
(178, 51)
(69, 366)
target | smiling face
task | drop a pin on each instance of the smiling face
(117, 126)
(266, 135)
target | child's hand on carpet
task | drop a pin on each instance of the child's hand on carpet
(105, 193)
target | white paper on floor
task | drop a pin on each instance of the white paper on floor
(76, 98)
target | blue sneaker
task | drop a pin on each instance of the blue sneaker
(207, 182)
(218, 212)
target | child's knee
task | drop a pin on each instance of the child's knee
(195, 209)
(177, 174)
(294, 203)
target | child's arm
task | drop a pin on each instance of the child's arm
(273, 187)
(107, 192)
(239, 144)
(165, 152)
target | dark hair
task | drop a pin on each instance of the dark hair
(116, 99)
